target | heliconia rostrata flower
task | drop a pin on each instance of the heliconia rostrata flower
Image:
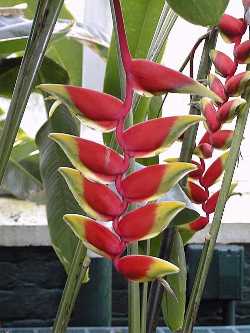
(101, 182)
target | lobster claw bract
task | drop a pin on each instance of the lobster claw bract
(153, 181)
(231, 28)
(150, 78)
(95, 236)
(93, 108)
(222, 139)
(97, 200)
(142, 268)
(214, 171)
(236, 85)
(95, 161)
(148, 221)
(152, 137)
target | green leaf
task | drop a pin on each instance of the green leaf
(27, 187)
(201, 12)
(59, 199)
(30, 11)
(173, 312)
(49, 72)
(14, 33)
(68, 53)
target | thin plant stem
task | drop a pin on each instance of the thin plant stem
(42, 28)
(204, 69)
(75, 278)
(145, 297)
(208, 249)
(157, 289)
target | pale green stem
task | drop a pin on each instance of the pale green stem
(145, 298)
(77, 272)
(210, 242)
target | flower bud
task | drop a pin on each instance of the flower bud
(231, 28)
(224, 65)
(215, 170)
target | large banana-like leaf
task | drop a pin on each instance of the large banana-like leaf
(60, 201)
(50, 72)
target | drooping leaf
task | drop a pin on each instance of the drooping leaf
(173, 312)
(59, 199)
(49, 72)
(202, 12)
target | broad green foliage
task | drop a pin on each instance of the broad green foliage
(201, 12)
(59, 199)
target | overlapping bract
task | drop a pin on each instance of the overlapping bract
(98, 165)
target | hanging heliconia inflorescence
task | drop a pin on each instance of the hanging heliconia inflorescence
(97, 166)
(216, 115)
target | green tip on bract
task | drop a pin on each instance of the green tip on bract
(65, 172)
(54, 108)
(54, 89)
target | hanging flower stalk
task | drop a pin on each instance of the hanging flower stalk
(216, 114)
(97, 166)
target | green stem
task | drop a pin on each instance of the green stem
(134, 305)
(204, 69)
(42, 28)
(208, 249)
(145, 298)
(77, 272)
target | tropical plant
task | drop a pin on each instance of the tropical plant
(123, 181)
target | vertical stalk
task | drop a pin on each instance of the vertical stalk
(42, 28)
(156, 290)
(208, 249)
(77, 272)
(145, 298)
(204, 69)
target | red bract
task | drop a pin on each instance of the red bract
(222, 139)
(151, 182)
(231, 28)
(155, 136)
(95, 236)
(94, 160)
(144, 268)
(209, 112)
(188, 230)
(93, 108)
(229, 110)
(217, 87)
(200, 169)
(223, 64)
(195, 192)
(204, 150)
(150, 78)
(205, 138)
(236, 84)
(95, 199)
(242, 53)
(214, 171)
(147, 222)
